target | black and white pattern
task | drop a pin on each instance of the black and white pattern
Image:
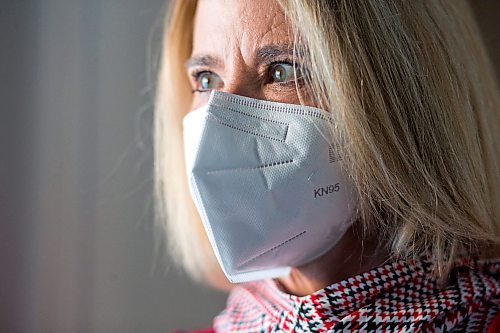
(402, 296)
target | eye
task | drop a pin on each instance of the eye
(281, 72)
(206, 81)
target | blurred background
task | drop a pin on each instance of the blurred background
(77, 243)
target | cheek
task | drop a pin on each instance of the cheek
(199, 99)
(282, 95)
(288, 94)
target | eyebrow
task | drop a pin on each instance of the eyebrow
(265, 53)
(270, 52)
(203, 61)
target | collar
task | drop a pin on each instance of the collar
(398, 295)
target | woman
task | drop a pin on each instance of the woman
(341, 159)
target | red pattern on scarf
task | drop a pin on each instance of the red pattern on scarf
(397, 297)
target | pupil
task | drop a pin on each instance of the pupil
(279, 73)
(205, 82)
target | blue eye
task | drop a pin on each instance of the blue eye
(207, 81)
(282, 72)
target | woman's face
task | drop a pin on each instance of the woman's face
(244, 48)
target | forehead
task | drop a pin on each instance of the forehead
(229, 27)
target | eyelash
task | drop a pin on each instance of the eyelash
(197, 73)
(297, 68)
(287, 62)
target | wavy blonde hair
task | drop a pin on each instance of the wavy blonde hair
(417, 100)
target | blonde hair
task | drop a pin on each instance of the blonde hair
(416, 99)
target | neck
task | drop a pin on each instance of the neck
(351, 256)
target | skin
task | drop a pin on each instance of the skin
(238, 47)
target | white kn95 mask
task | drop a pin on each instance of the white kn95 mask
(268, 183)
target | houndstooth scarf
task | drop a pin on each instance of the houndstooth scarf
(401, 296)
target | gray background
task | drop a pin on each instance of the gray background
(76, 240)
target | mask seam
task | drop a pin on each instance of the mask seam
(252, 168)
(248, 114)
(273, 248)
(263, 107)
(248, 131)
(251, 102)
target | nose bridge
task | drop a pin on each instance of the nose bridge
(243, 80)
(241, 91)
(243, 88)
